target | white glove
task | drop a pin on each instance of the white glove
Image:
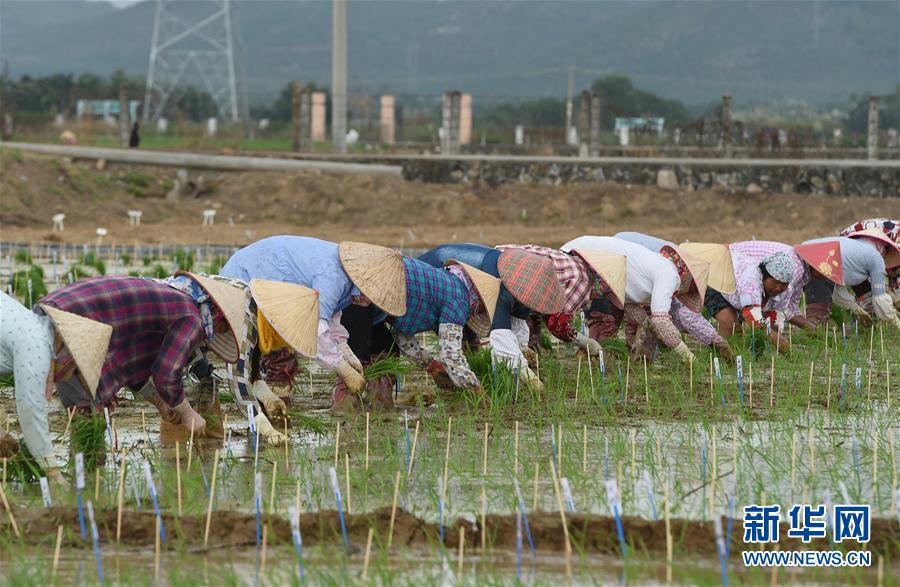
(895, 296)
(267, 432)
(859, 311)
(348, 355)
(352, 378)
(591, 346)
(531, 380)
(883, 306)
(273, 404)
(683, 352)
(189, 418)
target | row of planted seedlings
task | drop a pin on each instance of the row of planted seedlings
(565, 450)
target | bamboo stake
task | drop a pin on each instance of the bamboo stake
(715, 473)
(633, 434)
(412, 454)
(691, 374)
(584, 450)
(881, 337)
(646, 384)
(590, 375)
(365, 573)
(59, 534)
(178, 475)
(447, 458)
(809, 393)
(393, 510)
(669, 546)
(212, 497)
(264, 550)
(534, 501)
(156, 553)
(712, 396)
(578, 379)
(121, 500)
(367, 442)
(462, 551)
(483, 518)
(9, 512)
(347, 478)
(97, 485)
(272, 490)
(627, 378)
(485, 456)
(750, 379)
(297, 496)
(565, 526)
(828, 396)
(287, 444)
(559, 449)
(871, 340)
(734, 457)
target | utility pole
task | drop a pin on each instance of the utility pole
(872, 143)
(339, 77)
(569, 92)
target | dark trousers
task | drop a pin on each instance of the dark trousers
(367, 340)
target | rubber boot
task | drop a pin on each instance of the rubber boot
(380, 393)
(818, 313)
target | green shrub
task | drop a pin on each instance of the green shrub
(184, 259)
(20, 284)
(23, 257)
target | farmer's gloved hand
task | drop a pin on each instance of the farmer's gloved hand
(683, 352)
(273, 404)
(354, 381)
(268, 432)
(531, 357)
(725, 350)
(440, 376)
(864, 317)
(591, 346)
(883, 306)
(351, 358)
(531, 380)
(189, 418)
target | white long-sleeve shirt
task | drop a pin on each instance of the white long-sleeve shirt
(650, 279)
(26, 351)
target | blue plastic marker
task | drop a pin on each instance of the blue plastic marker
(152, 486)
(648, 482)
(257, 500)
(335, 487)
(519, 548)
(441, 508)
(843, 380)
(523, 514)
(739, 362)
(612, 496)
(95, 538)
(79, 488)
(298, 539)
(703, 462)
(720, 547)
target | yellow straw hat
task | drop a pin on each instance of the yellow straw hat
(488, 288)
(699, 271)
(611, 267)
(87, 341)
(378, 272)
(721, 266)
(292, 310)
(232, 301)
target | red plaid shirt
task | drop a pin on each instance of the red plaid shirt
(577, 280)
(156, 328)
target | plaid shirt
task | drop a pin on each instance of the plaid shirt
(747, 256)
(433, 297)
(573, 274)
(155, 330)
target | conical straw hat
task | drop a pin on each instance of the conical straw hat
(292, 310)
(488, 288)
(721, 267)
(699, 271)
(825, 257)
(531, 279)
(232, 301)
(87, 341)
(378, 272)
(892, 257)
(611, 267)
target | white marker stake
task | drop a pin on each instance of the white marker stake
(79, 489)
(648, 483)
(294, 514)
(716, 366)
(615, 504)
(148, 476)
(567, 494)
(45, 492)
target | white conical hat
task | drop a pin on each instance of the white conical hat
(892, 257)
(232, 301)
(721, 266)
(87, 341)
(292, 310)
(612, 267)
(378, 272)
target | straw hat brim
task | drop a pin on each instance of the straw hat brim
(721, 265)
(292, 310)
(232, 302)
(378, 272)
(532, 280)
(699, 270)
(892, 258)
(87, 341)
(487, 285)
(611, 267)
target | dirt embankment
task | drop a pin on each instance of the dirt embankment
(391, 211)
(592, 534)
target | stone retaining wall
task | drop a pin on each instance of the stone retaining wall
(825, 180)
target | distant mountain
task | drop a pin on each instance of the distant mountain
(695, 50)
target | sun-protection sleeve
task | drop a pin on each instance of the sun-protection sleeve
(330, 335)
(450, 338)
(506, 347)
(410, 346)
(883, 307)
(521, 331)
(665, 286)
(665, 330)
(694, 324)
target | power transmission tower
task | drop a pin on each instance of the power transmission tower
(192, 41)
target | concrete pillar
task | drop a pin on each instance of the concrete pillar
(595, 126)
(584, 121)
(726, 125)
(873, 128)
(339, 77)
(124, 119)
(465, 119)
(317, 126)
(450, 124)
(388, 124)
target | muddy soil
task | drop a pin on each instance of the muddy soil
(390, 211)
(591, 534)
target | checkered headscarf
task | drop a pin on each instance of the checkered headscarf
(780, 266)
